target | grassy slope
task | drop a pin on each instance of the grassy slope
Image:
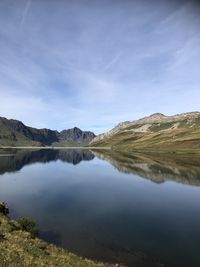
(8, 137)
(19, 249)
(68, 144)
(186, 136)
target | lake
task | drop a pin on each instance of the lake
(135, 209)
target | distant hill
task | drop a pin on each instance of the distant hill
(15, 133)
(156, 132)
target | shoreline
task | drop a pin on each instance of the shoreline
(52, 147)
(20, 247)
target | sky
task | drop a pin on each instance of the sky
(95, 63)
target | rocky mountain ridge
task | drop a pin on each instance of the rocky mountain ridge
(14, 132)
(155, 132)
(152, 119)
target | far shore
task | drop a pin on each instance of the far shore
(52, 147)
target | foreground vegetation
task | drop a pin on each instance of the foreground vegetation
(19, 248)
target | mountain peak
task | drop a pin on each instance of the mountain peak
(157, 115)
(13, 132)
(76, 129)
(143, 125)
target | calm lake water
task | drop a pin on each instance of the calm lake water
(139, 210)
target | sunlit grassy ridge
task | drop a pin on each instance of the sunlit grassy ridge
(174, 136)
(19, 249)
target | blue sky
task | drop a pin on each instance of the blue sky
(95, 63)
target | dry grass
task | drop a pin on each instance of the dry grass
(19, 249)
(184, 137)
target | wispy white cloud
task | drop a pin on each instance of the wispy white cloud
(71, 67)
(30, 109)
(25, 12)
(112, 62)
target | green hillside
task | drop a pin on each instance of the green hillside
(160, 134)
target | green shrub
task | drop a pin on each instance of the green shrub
(29, 225)
(3, 208)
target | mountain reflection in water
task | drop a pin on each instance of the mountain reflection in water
(98, 211)
(181, 168)
(17, 159)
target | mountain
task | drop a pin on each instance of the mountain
(156, 132)
(15, 133)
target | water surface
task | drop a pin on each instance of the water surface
(131, 208)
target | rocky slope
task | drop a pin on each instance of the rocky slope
(181, 131)
(15, 133)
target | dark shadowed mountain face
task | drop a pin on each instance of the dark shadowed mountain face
(76, 135)
(15, 133)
